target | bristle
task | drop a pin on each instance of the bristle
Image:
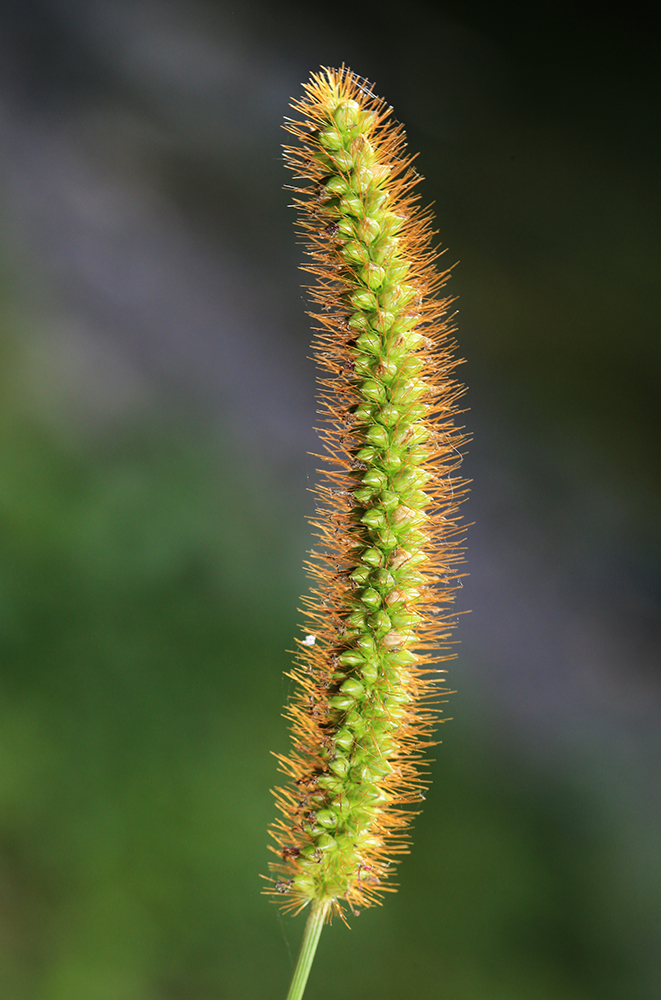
(387, 518)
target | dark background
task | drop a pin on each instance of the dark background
(156, 408)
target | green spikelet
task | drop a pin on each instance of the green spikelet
(385, 570)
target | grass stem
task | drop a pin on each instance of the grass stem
(308, 948)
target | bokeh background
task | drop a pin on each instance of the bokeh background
(156, 411)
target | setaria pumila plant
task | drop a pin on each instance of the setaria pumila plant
(385, 570)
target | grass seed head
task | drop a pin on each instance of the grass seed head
(384, 573)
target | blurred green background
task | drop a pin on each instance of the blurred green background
(156, 410)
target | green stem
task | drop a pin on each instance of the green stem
(311, 936)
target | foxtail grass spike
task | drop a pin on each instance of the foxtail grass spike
(385, 570)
